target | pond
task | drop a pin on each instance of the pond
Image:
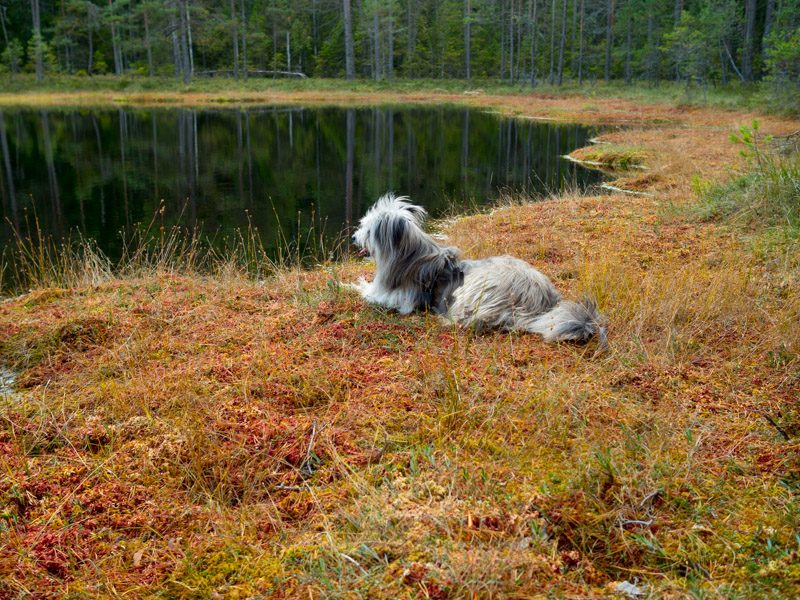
(293, 172)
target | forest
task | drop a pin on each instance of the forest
(703, 42)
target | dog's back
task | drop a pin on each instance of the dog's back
(500, 291)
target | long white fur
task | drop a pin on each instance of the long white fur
(498, 292)
(401, 299)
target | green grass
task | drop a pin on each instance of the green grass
(768, 195)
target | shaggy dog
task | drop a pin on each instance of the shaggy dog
(414, 272)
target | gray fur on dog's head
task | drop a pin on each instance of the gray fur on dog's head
(405, 255)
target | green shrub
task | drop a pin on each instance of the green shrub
(99, 64)
(783, 67)
(12, 55)
(769, 194)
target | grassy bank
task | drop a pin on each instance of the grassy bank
(185, 430)
(22, 90)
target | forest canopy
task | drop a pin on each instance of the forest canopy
(706, 42)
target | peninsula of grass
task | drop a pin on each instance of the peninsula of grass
(189, 427)
(611, 156)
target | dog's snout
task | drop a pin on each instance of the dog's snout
(353, 239)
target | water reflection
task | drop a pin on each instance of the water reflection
(103, 171)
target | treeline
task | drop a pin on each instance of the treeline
(696, 41)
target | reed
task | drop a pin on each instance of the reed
(37, 260)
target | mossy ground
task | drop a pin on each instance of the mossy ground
(180, 435)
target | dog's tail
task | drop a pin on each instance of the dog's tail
(570, 321)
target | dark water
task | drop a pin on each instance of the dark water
(105, 171)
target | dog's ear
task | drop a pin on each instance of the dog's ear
(398, 231)
(417, 212)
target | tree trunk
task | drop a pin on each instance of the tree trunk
(573, 38)
(609, 39)
(411, 42)
(288, 51)
(115, 49)
(511, 43)
(195, 158)
(249, 157)
(314, 28)
(390, 159)
(3, 18)
(52, 179)
(235, 39)
(628, 52)
(390, 39)
(580, 43)
(749, 39)
(563, 43)
(186, 63)
(90, 62)
(376, 45)
(349, 55)
(189, 45)
(123, 143)
(9, 174)
(176, 47)
(768, 18)
(239, 155)
(723, 64)
(147, 44)
(37, 39)
(552, 76)
(651, 50)
(348, 176)
(244, 40)
(534, 35)
(502, 42)
(676, 17)
(465, 155)
(154, 146)
(520, 34)
(467, 39)
(67, 45)
(274, 40)
(730, 58)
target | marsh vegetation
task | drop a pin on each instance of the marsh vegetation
(196, 425)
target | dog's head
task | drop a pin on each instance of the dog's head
(388, 225)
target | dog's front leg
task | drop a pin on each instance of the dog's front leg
(402, 300)
(399, 300)
(362, 286)
(370, 291)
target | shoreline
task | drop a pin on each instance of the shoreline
(589, 104)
